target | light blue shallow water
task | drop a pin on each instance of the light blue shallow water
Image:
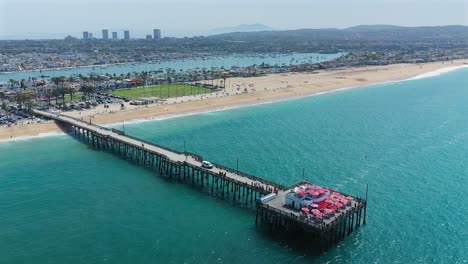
(182, 64)
(62, 202)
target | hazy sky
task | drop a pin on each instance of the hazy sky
(180, 17)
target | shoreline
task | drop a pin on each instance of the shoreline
(276, 88)
(227, 107)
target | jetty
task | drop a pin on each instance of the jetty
(328, 224)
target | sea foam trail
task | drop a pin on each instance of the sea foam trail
(436, 72)
(41, 135)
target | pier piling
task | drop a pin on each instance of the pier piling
(220, 181)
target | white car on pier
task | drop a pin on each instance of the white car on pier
(206, 164)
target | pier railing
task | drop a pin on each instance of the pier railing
(297, 218)
(120, 132)
(252, 177)
(254, 187)
(195, 156)
(84, 121)
(152, 144)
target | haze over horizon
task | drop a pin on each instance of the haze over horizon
(58, 18)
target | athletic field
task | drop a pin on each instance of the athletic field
(161, 91)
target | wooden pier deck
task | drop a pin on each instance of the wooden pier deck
(220, 180)
(173, 155)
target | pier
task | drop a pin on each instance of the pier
(267, 197)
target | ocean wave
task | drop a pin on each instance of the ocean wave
(436, 72)
(238, 105)
(41, 135)
(280, 99)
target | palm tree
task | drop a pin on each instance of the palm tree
(70, 89)
(59, 81)
(80, 76)
(198, 86)
(83, 90)
(92, 78)
(90, 90)
(71, 92)
(56, 92)
(168, 84)
(22, 84)
(224, 80)
(144, 76)
(49, 95)
(29, 104)
(21, 98)
(87, 90)
(63, 92)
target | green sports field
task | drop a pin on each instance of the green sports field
(161, 91)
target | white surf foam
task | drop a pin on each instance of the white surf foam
(41, 135)
(275, 100)
(232, 106)
(436, 72)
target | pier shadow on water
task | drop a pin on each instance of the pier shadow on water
(298, 240)
(295, 238)
(228, 198)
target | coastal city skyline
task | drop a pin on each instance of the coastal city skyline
(155, 35)
(202, 17)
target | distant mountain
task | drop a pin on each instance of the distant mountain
(240, 28)
(365, 32)
(255, 32)
(370, 28)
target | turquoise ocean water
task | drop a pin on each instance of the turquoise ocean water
(63, 202)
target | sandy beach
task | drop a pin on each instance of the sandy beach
(243, 92)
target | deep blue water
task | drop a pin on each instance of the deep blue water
(63, 202)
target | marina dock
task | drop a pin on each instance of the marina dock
(266, 196)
